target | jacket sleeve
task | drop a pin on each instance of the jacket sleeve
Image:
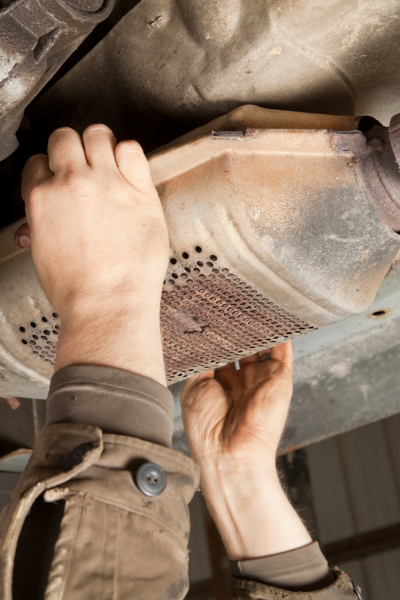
(115, 542)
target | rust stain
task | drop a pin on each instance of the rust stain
(378, 156)
(380, 314)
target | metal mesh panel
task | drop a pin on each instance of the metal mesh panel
(210, 316)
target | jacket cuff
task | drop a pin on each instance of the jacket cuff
(113, 400)
(340, 589)
(301, 569)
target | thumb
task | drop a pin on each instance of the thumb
(22, 237)
(133, 166)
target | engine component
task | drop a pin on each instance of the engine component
(36, 37)
(273, 233)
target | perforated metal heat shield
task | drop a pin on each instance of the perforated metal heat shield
(210, 316)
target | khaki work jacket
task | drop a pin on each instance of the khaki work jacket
(116, 543)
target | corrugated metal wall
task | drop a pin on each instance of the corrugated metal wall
(356, 487)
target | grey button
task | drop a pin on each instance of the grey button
(151, 479)
(74, 457)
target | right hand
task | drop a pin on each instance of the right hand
(233, 417)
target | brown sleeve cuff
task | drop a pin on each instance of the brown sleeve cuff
(114, 400)
(301, 569)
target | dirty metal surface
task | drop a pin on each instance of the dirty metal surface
(272, 234)
(171, 62)
(36, 37)
(378, 166)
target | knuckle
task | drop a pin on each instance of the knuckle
(76, 184)
(97, 128)
(31, 163)
(130, 147)
(60, 132)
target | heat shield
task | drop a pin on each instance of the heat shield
(273, 234)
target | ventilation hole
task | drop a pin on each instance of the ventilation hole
(46, 332)
(43, 337)
(32, 342)
(55, 332)
(33, 324)
(209, 264)
(184, 275)
(174, 275)
(198, 249)
(38, 347)
(213, 257)
(35, 352)
(196, 270)
(173, 261)
(22, 329)
(171, 281)
(57, 327)
(185, 255)
(35, 337)
(44, 319)
(47, 360)
(24, 342)
(55, 315)
(379, 313)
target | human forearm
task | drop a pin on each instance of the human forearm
(234, 420)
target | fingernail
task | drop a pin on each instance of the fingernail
(24, 241)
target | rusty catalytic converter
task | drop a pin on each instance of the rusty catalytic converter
(275, 231)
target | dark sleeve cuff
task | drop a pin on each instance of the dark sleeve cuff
(301, 569)
(114, 400)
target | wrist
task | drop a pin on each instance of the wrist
(252, 512)
(114, 333)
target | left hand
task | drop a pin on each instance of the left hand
(100, 245)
